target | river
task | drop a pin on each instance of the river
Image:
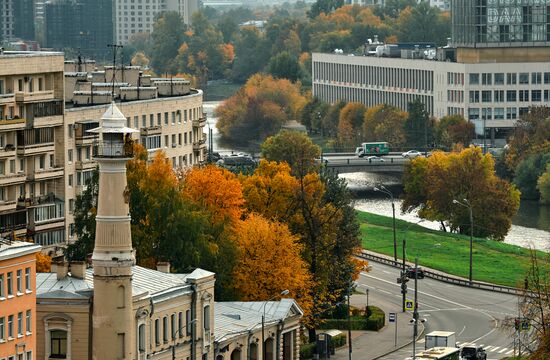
(530, 227)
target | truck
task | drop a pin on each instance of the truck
(440, 339)
(372, 148)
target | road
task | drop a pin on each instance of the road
(474, 315)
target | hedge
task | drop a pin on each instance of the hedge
(306, 350)
(375, 321)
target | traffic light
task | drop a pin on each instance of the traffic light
(517, 324)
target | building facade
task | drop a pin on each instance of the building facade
(16, 20)
(32, 191)
(493, 96)
(17, 300)
(138, 16)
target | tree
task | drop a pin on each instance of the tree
(313, 113)
(294, 148)
(140, 59)
(528, 172)
(392, 8)
(423, 22)
(167, 36)
(432, 184)
(85, 210)
(259, 109)
(252, 53)
(453, 129)
(43, 263)
(350, 123)
(324, 6)
(419, 126)
(269, 261)
(543, 185)
(385, 123)
(285, 66)
(330, 121)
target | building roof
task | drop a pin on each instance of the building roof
(145, 282)
(13, 249)
(235, 318)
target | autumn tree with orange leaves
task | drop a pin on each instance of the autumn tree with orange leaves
(269, 262)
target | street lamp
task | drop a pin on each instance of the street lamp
(467, 204)
(178, 331)
(404, 271)
(384, 190)
(283, 293)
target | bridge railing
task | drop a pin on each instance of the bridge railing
(443, 277)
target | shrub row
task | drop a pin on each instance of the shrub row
(375, 321)
(306, 350)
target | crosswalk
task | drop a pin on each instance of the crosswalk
(495, 350)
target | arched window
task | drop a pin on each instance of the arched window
(236, 354)
(120, 297)
(57, 331)
(268, 349)
(253, 351)
(141, 338)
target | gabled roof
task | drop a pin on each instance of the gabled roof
(235, 318)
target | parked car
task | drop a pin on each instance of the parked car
(374, 159)
(411, 272)
(411, 154)
(470, 352)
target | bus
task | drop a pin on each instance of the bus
(439, 353)
(373, 148)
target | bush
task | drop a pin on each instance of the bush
(375, 321)
(306, 350)
(339, 340)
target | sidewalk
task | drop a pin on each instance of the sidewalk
(369, 345)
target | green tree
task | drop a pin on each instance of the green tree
(423, 22)
(324, 6)
(313, 113)
(85, 210)
(285, 66)
(329, 122)
(433, 184)
(543, 185)
(167, 36)
(528, 172)
(252, 53)
(228, 27)
(294, 148)
(392, 8)
(385, 123)
(419, 126)
(453, 129)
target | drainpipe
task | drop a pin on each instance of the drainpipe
(194, 324)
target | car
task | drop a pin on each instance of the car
(411, 272)
(374, 159)
(471, 352)
(411, 154)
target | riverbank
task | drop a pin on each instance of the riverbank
(493, 261)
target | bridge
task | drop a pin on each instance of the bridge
(347, 163)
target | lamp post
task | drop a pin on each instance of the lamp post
(404, 270)
(178, 331)
(384, 190)
(283, 293)
(467, 204)
(349, 327)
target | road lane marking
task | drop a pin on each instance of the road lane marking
(495, 349)
(464, 328)
(487, 348)
(503, 350)
(510, 352)
(385, 291)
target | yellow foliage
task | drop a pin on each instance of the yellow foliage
(43, 263)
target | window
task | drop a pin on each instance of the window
(536, 78)
(486, 96)
(511, 113)
(547, 77)
(144, 120)
(1, 286)
(120, 297)
(524, 95)
(151, 120)
(141, 338)
(10, 288)
(511, 95)
(28, 319)
(136, 122)
(10, 327)
(157, 332)
(473, 114)
(499, 114)
(486, 114)
(29, 353)
(165, 329)
(173, 325)
(2, 329)
(58, 344)
(12, 166)
(486, 79)
(474, 96)
(28, 279)
(159, 117)
(546, 95)
(165, 118)
(206, 317)
(173, 117)
(536, 95)
(20, 324)
(511, 78)
(70, 180)
(499, 79)
(42, 162)
(188, 322)
(165, 140)
(524, 78)
(70, 155)
(174, 144)
(180, 324)
(19, 281)
(499, 96)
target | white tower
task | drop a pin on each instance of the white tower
(113, 256)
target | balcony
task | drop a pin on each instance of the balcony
(7, 98)
(48, 213)
(10, 179)
(32, 149)
(34, 96)
(44, 121)
(7, 151)
(7, 205)
(199, 123)
(113, 149)
(198, 145)
(45, 174)
(81, 135)
(85, 165)
(12, 124)
(13, 220)
(152, 130)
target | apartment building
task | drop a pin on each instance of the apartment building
(32, 191)
(137, 16)
(17, 300)
(166, 112)
(16, 20)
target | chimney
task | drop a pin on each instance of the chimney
(78, 269)
(61, 268)
(164, 267)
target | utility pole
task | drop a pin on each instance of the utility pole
(349, 327)
(415, 312)
(404, 275)
(115, 48)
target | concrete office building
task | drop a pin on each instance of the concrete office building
(483, 76)
(137, 16)
(32, 190)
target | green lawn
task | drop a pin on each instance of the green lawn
(494, 262)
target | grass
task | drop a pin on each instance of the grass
(493, 261)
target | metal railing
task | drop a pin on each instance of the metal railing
(443, 277)
(107, 149)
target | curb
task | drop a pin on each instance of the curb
(420, 334)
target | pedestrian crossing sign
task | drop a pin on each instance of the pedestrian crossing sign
(409, 305)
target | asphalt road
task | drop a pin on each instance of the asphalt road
(474, 315)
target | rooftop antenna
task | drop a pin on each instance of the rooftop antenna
(115, 48)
